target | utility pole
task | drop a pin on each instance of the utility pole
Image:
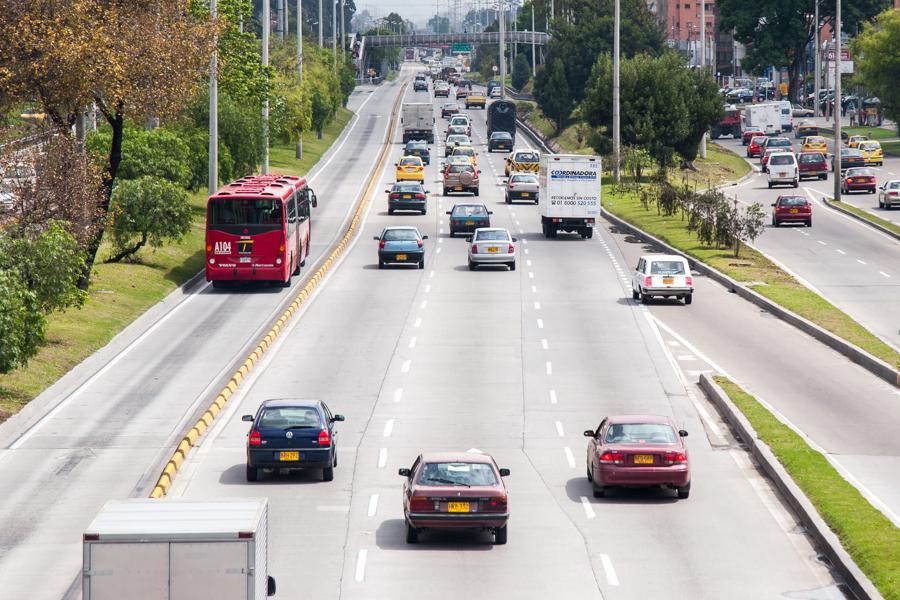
(213, 112)
(343, 34)
(533, 64)
(703, 63)
(266, 24)
(817, 66)
(298, 151)
(837, 101)
(617, 133)
(502, 21)
(334, 4)
(321, 21)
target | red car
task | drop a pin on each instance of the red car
(754, 148)
(750, 133)
(638, 451)
(792, 209)
(812, 164)
(455, 490)
(858, 179)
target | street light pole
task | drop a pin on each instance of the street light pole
(837, 101)
(617, 133)
(533, 64)
(266, 24)
(334, 4)
(298, 151)
(343, 33)
(817, 66)
(321, 36)
(213, 112)
(703, 63)
(502, 21)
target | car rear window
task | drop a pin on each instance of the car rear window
(892, 185)
(860, 172)
(779, 143)
(465, 150)
(469, 211)
(500, 135)
(289, 417)
(461, 168)
(640, 433)
(812, 158)
(400, 235)
(758, 139)
(526, 157)
(523, 179)
(792, 201)
(667, 267)
(491, 235)
(408, 187)
(410, 162)
(869, 146)
(782, 159)
(458, 473)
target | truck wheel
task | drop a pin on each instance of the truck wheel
(412, 534)
(500, 535)
(328, 474)
(252, 473)
(590, 233)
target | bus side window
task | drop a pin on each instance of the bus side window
(292, 209)
(303, 205)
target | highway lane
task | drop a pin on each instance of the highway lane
(851, 264)
(516, 364)
(123, 410)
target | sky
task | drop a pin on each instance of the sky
(418, 11)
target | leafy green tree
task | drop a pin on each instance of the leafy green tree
(521, 71)
(552, 93)
(145, 211)
(877, 56)
(22, 326)
(701, 97)
(159, 153)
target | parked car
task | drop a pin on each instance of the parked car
(812, 164)
(407, 195)
(889, 196)
(662, 275)
(782, 169)
(522, 186)
(466, 218)
(791, 209)
(492, 246)
(858, 179)
(401, 245)
(460, 179)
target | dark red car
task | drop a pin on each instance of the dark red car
(754, 148)
(791, 209)
(455, 490)
(750, 133)
(812, 164)
(638, 451)
(858, 180)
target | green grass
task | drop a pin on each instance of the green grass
(868, 536)
(873, 133)
(891, 148)
(767, 279)
(120, 293)
(865, 215)
(392, 74)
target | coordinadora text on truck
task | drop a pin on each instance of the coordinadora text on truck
(569, 194)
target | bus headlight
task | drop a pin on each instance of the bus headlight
(212, 261)
(277, 261)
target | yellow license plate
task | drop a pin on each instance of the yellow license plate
(643, 459)
(469, 222)
(525, 194)
(668, 280)
(794, 211)
(285, 456)
(401, 257)
(459, 189)
(406, 196)
(458, 507)
(494, 249)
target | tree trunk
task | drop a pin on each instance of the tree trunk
(129, 251)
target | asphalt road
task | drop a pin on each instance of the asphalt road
(851, 264)
(122, 410)
(516, 364)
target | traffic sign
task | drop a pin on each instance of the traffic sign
(461, 48)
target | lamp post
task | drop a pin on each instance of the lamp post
(321, 32)
(703, 63)
(501, 18)
(837, 101)
(298, 151)
(533, 63)
(617, 133)
(213, 113)
(266, 24)
(334, 5)
(817, 66)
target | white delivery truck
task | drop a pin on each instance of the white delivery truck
(765, 116)
(569, 193)
(145, 549)
(417, 119)
(787, 114)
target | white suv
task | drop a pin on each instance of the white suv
(782, 168)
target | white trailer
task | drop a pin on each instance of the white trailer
(765, 116)
(417, 119)
(569, 194)
(144, 549)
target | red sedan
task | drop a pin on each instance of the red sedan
(455, 490)
(638, 451)
(750, 133)
(858, 180)
(755, 146)
(792, 209)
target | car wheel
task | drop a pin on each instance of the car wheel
(381, 264)
(684, 492)
(500, 535)
(590, 475)
(809, 223)
(218, 284)
(599, 491)
(796, 183)
(412, 534)
(390, 211)
(508, 201)
(471, 266)
(252, 473)
(645, 299)
(590, 233)
(476, 191)
(634, 294)
(688, 298)
(422, 264)
(512, 266)
(770, 185)
(328, 474)
(823, 177)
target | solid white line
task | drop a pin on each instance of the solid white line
(398, 394)
(570, 458)
(530, 275)
(388, 427)
(883, 273)
(821, 242)
(537, 306)
(382, 458)
(418, 322)
(544, 344)
(559, 429)
(608, 569)
(839, 251)
(549, 368)
(404, 368)
(862, 262)
(588, 509)
(687, 357)
(540, 323)
(673, 343)
(412, 342)
(373, 505)
(361, 565)
(424, 304)
(427, 289)
(552, 396)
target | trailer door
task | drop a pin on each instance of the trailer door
(118, 571)
(216, 570)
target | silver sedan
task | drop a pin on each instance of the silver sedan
(492, 246)
(522, 186)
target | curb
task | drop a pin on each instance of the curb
(831, 203)
(818, 530)
(164, 482)
(856, 354)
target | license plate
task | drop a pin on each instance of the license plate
(287, 456)
(245, 259)
(406, 196)
(458, 507)
(401, 257)
(794, 211)
(493, 249)
(525, 194)
(459, 189)
(668, 280)
(469, 222)
(782, 174)
(643, 459)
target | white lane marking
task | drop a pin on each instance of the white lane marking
(862, 262)
(330, 508)
(570, 458)
(528, 262)
(527, 251)
(382, 458)
(361, 565)
(559, 429)
(821, 242)
(839, 251)
(540, 323)
(431, 274)
(418, 322)
(398, 394)
(388, 428)
(424, 304)
(687, 357)
(608, 569)
(440, 240)
(373, 505)
(438, 251)
(673, 343)
(524, 241)
(549, 368)
(537, 306)
(427, 289)
(530, 275)
(883, 273)
(512, 212)
(544, 344)
(405, 367)
(552, 396)
(534, 289)
(412, 342)
(588, 509)
(521, 230)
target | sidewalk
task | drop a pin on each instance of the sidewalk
(828, 123)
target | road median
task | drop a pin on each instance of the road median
(874, 221)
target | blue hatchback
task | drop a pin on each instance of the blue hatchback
(401, 245)
(292, 435)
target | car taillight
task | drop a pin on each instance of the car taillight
(255, 438)
(675, 458)
(512, 185)
(495, 504)
(420, 196)
(511, 249)
(394, 196)
(381, 244)
(324, 438)
(611, 458)
(850, 180)
(421, 504)
(419, 242)
(689, 280)
(474, 248)
(648, 281)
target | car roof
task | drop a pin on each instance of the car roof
(663, 257)
(293, 402)
(464, 457)
(400, 227)
(640, 419)
(469, 204)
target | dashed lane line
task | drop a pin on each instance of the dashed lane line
(588, 509)
(373, 505)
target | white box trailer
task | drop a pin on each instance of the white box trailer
(417, 119)
(569, 193)
(765, 116)
(144, 549)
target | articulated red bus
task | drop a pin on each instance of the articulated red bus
(258, 228)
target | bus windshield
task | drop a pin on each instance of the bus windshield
(246, 211)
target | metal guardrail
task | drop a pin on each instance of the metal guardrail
(539, 38)
(28, 140)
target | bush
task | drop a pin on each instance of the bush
(521, 72)
(156, 153)
(145, 211)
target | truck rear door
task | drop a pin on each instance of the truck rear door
(117, 571)
(217, 570)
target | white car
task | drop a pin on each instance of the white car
(462, 120)
(492, 246)
(782, 169)
(495, 93)
(889, 196)
(662, 275)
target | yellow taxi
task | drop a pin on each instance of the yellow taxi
(872, 152)
(411, 168)
(468, 151)
(806, 129)
(855, 140)
(522, 160)
(815, 143)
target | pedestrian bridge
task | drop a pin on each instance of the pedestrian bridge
(410, 40)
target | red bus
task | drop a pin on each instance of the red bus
(258, 229)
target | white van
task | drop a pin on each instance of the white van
(787, 114)
(782, 169)
(662, 275)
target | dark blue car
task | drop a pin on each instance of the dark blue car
(401, 245)
(292, 435)
(466, 218)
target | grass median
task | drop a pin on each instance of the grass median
(868, 536)
(864, 214)
(121, 292)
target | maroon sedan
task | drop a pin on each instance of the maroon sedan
(858, 180)
(750, 133)
(792, 209)
(638, 451)
(455, 490)
(812, 164)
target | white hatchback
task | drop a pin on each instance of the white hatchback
(782, 169)
(662, 275)
(492, 246)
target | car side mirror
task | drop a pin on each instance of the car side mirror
(504, 472)
(338, 418)
(248, 418)
(424, 237)
(448, 212)
(682, 433)
(427, 192)
(589, 433)
(376, 238)
(403, 472)
(490, 212)
(773, 204)
(387, 191)
(313, 199)
(270, 586)
(515, 239)
(469, 239)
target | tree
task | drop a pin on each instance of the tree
(148, 210)
(552, 93)
(21, 325)
(521, 71)
(439, 24)
(877, 56)
(701, 97)
(747, 226)
(158, 152)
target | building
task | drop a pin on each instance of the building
(681, 21)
